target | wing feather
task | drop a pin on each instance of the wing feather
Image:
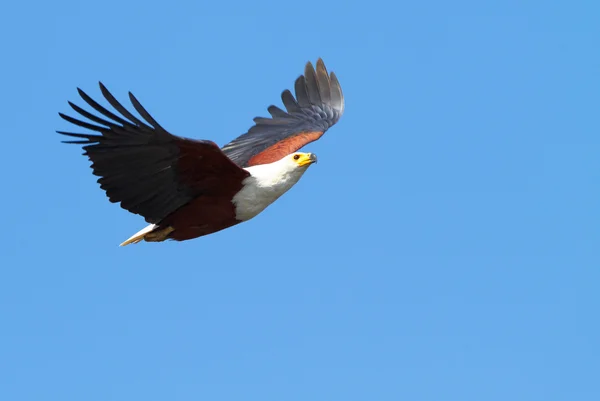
(302, 92)
(323, 82)
(290, 103)
(276, 112)
(95, 105)
(140, 109)
(312, 84)
(119, 107)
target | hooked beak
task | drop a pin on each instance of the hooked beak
(307, 159)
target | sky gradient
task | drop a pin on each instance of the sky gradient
(444, 248)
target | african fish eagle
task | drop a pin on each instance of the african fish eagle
(186, 188)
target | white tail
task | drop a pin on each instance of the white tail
(137, 237)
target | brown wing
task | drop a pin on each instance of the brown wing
(318, 105)
(148, 170)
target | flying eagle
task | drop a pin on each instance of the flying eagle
(186, 188)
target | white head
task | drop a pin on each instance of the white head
(288, 169)
(267, 182)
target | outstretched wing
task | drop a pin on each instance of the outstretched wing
(148, 170)
(318, 105)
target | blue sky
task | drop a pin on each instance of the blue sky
(444, 248)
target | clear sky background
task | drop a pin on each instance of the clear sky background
(444, 248)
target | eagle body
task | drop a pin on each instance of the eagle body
(187, 188)
(265, 184)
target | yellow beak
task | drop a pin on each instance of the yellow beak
(306, 159)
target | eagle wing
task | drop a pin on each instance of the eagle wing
(146, 169)
(318, 105)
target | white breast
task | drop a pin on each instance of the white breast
(265, 185)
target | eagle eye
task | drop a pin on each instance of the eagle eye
(296, 157)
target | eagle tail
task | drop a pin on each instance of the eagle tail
(137, 237)
(151, 233)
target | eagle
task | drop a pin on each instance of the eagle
(188, 188)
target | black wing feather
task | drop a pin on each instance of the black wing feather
(140, 109)
(324, 83)
(290, 103)
(119, 107)
(312, 85)
(302, 92)
(102, 110)
(276, 112)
